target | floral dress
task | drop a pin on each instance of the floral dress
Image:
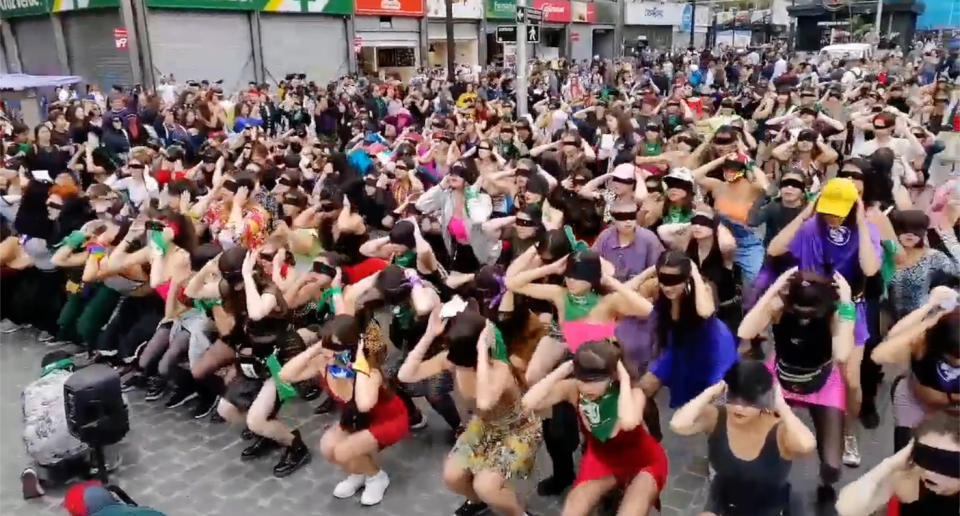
(504, 439)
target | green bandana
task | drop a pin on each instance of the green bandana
(59, 365)
(407, 260)
(652, 149)
(404, 315)
(325, 303)
(888, 266)
(157, 238)
(577, 307)
(577, 245)
(74, 240)
(285, 391)
(205, 305)
(677, 215)
(499, 349)
(601, 415)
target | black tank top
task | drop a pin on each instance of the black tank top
(803, 345)
(747, 488)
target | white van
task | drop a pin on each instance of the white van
(847, 51)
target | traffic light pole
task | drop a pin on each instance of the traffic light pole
(521, 89)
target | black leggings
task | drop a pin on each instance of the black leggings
(561, 434)
(870, 372)
(828, 423)
(442, 403)
(134, 323)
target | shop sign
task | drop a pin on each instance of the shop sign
(120, 38)
(574, 36)
(13, 8)
(654, 13)
(390, 7)
(343, 7)
(686, 19)
(469, 9)
(554, 10)
(584, 12)
(500, 9)
(16, 8)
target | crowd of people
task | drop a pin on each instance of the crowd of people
(756, 234)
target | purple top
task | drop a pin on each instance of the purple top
(636, 334)
(841, 248)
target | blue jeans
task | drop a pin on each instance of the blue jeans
(749, 254)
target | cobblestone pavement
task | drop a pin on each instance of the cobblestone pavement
(186, 467)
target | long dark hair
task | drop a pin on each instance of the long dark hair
(32, 219)
(689, 318)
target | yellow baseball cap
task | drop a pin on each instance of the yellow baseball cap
(837, 197)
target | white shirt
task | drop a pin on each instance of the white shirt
(779, 68)
(138, 192)
(168, 93)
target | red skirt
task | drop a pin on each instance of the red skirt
(624, 457)
(389, 422)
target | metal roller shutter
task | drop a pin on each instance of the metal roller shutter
(35, 39)
(288, 38)
(91, 50)
(200, 45)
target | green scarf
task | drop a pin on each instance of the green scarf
(157, 238)
(601, 414)
(499, 349)
(205, 305)
(59, 365)
(577, 307)
(407, 260)
(74, 240)
(576, 245)
(285, 391)
(404, 315)
(888, 266)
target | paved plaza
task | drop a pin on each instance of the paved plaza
(185, 467)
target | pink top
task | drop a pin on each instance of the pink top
(578, 332)
(458, 230)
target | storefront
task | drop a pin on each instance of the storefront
(35, 42)
(557, 15)
(899, 18)
(466, 29)
(388, 36)
(92, 51)
(499, 13)
(288, 37)
(681, 36)
(654, 21)
(592, 32)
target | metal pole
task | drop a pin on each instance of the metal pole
(876, 24)
(521, 62)
(146, 54)
(693, 21)
(133, 41)
(450, 50)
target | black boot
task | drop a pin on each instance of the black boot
(260, 447)
(325, 406)
(561, 437)
(294, 456)
(868, 414)
(309, 390)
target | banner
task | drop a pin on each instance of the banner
(554, 10)
(390, 7)
(584, 12)
(17, 8)
(470, 9)
(342, 7)
(500, 9)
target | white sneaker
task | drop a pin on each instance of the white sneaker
(46, 337)
(851, 452)
(7, 326)
(349, 486)
(374, 487)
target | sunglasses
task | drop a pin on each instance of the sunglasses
(723, 141)
(527, 223)
(623, 215)
(136, 166)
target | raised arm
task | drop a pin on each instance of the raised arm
(699, 415)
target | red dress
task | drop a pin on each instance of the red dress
(356, 272)
(389, 422)
(624, 456)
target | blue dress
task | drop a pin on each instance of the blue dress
(695, 359)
